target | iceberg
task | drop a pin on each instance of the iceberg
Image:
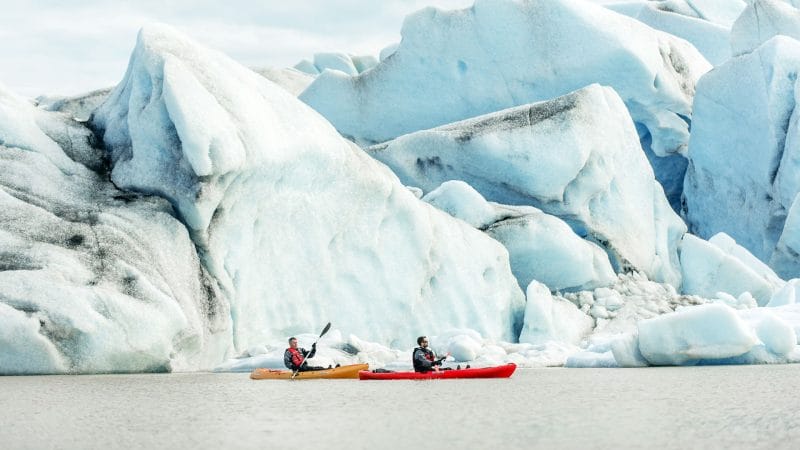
(711, 334)
(709, 268)
(335, 61)
(762, 20)
(625, 350)
(296, 224)
(552, 319)
(712, 331)
(778, 337)
(78, 107)
(540, 246)
(786, 257)
(198, 214)
(294, 81)
(452, 65)
(462, 201)
(786, 295)
(718, 12)
(342, 62)
(576, 157)
(759, 127)
(711, 39)
(92, 278)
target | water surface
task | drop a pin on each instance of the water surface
(729, 407)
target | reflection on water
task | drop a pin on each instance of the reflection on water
(715, 407)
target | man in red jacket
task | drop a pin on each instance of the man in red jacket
(293, 357)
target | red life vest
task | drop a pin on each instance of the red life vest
(297, 357)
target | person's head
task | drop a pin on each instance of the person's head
(422, 341)
(293, 342)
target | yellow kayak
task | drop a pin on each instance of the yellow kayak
(350, 371)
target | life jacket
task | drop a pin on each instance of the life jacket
(428, 355)
(297, 357)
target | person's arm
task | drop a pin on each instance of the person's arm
(309, 354)
(421, 360)
(439, 361)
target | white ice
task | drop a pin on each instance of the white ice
(466, 346)
(294, 81)
(549, 319)
(744, 149)
(342, 62)
(576, 157)
(710, 38)
(205, 214)
(92, 279)
(452, 65)
(540, 246)
(297, 225)
(708, 269)
(711, 331)
(760, 21)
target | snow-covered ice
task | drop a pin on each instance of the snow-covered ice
(709, 269)
(786, 257)
(452, 65)
(198, 214)
(576, 157)
(92, 279)
(297, 225)
(294, 81)
(719, 12)
(744, 149)
(345, 63)
(79, 107)
(711, 331)
(540, 246)
(549, 319)
(710, 38)
(760, 21)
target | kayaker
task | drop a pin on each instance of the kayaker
(293, 357)
(424, 358)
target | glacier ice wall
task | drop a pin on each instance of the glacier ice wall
(92, 279)
(452, 65)
(576, 157)
(744, 149)
(297, 225)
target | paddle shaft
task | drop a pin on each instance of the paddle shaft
(324, 330)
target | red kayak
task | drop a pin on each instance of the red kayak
(504, 371)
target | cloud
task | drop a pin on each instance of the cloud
(72, 47)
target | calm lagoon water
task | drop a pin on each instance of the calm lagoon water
(746, 407)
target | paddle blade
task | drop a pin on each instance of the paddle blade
(325, 330)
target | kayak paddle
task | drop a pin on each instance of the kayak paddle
(324, 330)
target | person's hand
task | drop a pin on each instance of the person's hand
(314, 346)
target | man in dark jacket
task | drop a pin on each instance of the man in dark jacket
(293, 357)
(424, 358)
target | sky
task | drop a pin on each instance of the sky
(50, 47)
